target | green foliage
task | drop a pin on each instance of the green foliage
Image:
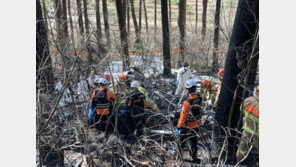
(175, 1)
(226, 3)
(150, 6)
(190, 12)
(111, 1)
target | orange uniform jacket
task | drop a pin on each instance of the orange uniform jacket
(184, 114)
(110, 95)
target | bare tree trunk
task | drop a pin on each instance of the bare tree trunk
(155, 18)
(128, 17)
(86, 21)
(216, 36)
(80, 19)
(140, 16)
(71, 22)
(196, 15)
(146, 19)
(182, 27)
(65, 20)
(135, 22)
(123, 34)
(98, 19)
(204, 18)
(245, 26)
(170, 12)
(106, 23)
(44, 76)
(59, 20)
(166, 38)
(45, 16)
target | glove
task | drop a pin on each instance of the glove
(177, 131)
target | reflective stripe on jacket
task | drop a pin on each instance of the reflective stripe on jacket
(142, 90)
(251, 113)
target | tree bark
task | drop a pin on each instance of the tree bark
(196, 15)
(135, 22)
(246, 24)
(204, 18)
(65, 20)
(123, 34)
(128, 17)
(71, 22)
(215, 65)
(59, 20)
(182, 27)
(44, 72)
(166, 38)
(146, 19)
(98, 19)
(86, 21)
(45, 16)
(155, 18)
(80, 19)
(106, 23)
(170, 12)
(140, 15)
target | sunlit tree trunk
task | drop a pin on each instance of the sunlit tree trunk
(216, 37)
(204, 18)
(182, 27)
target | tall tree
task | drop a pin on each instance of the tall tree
(204, 18)
(86, 21)
(170, 12)
(45, 15)
(166, 38)
(196, 15)
(182, 27)
(128, 17)
(44, 84)
(242, 41)
(106, 23)
(155, 18)
(59, 20)
(98, 19)
(71, 22)
(216, 36)
(123, 34)
(146, 18)
(135, 22)
(44, 72)
(140, 15)
(65, 20)
(80, 19)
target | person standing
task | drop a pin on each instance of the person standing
(250, 134)
(190, 119)
(183, 75)
(103, 99)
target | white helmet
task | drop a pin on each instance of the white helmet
(135, 84)
(103, 81)
(190, 83)
(97, 79)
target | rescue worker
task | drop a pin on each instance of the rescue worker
(135, 104)
(96, 84)
(250, 134)
(207, 89)
(103, 99)
(218, 87)
(183, 75)
(120, 92)
(149, 104)
(190, 119)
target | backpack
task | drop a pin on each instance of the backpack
(195, 109)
